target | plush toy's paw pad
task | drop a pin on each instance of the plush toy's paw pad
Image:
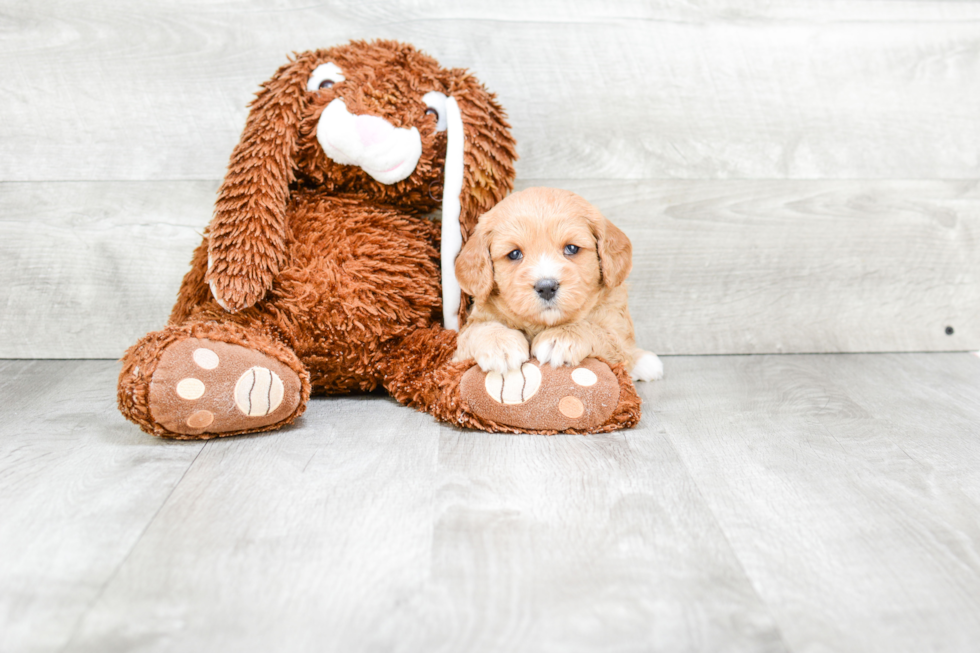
(544, 398)
(515, 387)
(204, 386)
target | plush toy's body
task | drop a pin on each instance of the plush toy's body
(358, 279)
(320, 272)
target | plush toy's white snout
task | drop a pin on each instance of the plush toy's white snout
(387, 153)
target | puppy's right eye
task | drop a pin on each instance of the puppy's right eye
(516, 255)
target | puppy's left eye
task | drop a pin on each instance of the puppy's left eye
(515, 255)
(571, 250)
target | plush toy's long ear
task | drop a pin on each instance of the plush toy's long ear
(484, 148)
(247, 236)
(613, 247)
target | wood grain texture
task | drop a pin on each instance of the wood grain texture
(291, 542)
(576, 544)
(833, 478)
(950, 381)
(78, 486)
(738, 267)
(90, 267)
(719, 266)
(370, 527)
(110, 90)
(765, 503)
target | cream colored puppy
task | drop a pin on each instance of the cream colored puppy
(546, 269)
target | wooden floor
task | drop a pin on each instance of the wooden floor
(765, 503)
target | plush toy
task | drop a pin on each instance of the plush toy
(321, 273)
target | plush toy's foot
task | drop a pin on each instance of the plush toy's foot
(203, 386)
(542, 398)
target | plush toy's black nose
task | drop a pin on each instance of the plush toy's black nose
(546, 288)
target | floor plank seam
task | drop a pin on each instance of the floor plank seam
(741, 564)
(122, 563)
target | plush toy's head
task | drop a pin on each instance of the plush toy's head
(379, 120)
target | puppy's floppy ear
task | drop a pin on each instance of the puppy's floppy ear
(247, 236)
(613, 247)
(480, 159)
(474, 267)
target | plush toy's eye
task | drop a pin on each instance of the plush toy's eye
(435, 103)
(515, 255)
(571, 250)
(324, 76)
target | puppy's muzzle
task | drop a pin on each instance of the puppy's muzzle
(546, 289)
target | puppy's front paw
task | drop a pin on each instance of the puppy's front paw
(501, 351)
(560, 348)
(648, 368)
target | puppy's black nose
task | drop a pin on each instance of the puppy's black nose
(546, 288)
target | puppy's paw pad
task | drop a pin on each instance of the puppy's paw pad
(648, 368)
(202, 386)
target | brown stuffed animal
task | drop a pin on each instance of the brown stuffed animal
(320, 272)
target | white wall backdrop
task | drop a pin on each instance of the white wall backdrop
(795, 176)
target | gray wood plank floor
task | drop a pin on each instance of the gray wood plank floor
(765, 503)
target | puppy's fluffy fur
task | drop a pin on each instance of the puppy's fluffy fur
(546, 269)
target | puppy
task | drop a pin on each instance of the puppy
(546, 269)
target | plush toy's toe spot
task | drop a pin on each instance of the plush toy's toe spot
(190, 389)
(571, 407)
(244, 389)
(552, 398)
(515, 387)
(200, 419)
(584, 377)
(205, 358)
(494, 383)
(258, 392)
